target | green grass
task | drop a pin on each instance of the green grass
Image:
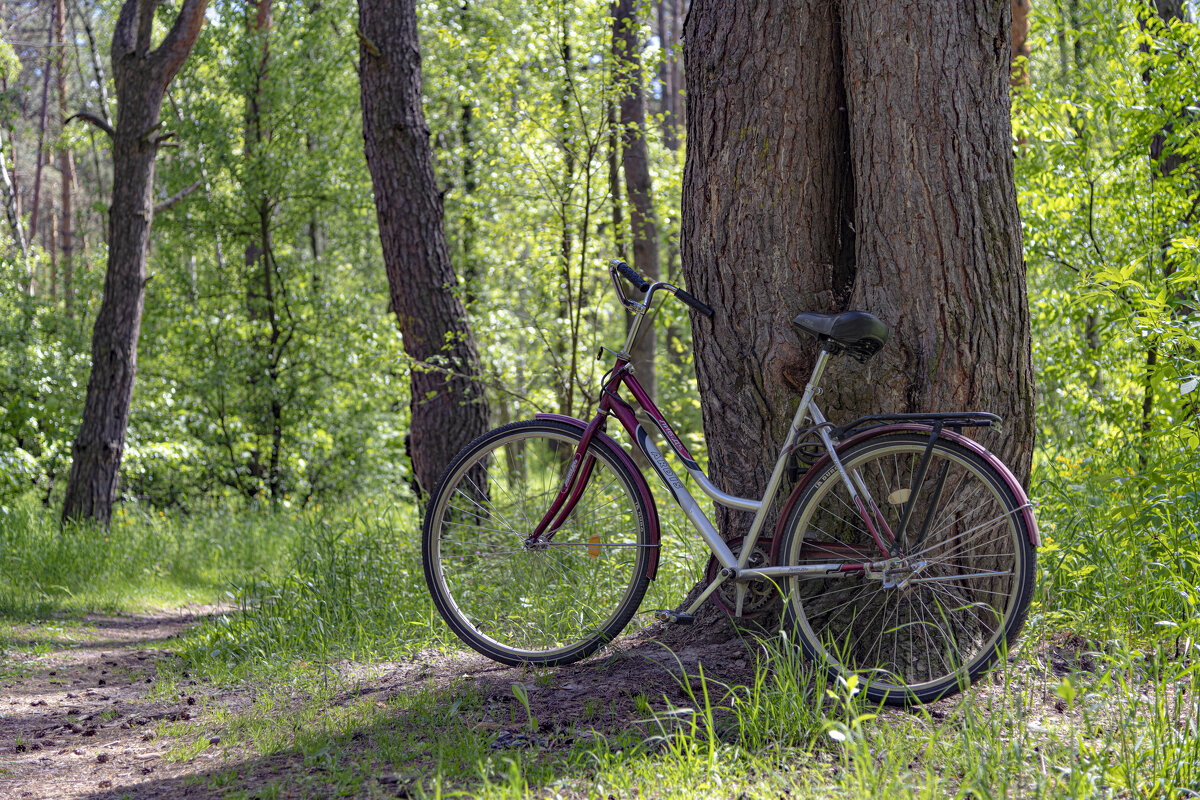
(144, 560)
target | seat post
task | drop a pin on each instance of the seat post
(813, 382)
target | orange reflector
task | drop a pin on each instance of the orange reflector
(594, 546)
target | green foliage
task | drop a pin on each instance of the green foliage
(1109, 200)
(1109, 205)
(44, 363)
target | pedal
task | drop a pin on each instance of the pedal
(674, 617)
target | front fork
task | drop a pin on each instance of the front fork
(578, 474)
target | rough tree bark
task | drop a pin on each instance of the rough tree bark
(635, 162)
(448, 405)
(852, 156)
(141, 76)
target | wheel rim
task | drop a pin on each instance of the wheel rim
(559, 596)
(944, 623)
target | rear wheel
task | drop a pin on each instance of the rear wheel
(929, 622)
(554, 601)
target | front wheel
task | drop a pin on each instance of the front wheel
(956, 591)
(546, 602)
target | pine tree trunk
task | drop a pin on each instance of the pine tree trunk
(938, 236)
(448, 404)
(635, 161)
(1020, 43)
(766, 198)
(142, 76)
(43, 120)
(852, 156)
(66, 167)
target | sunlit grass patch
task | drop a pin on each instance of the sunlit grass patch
(142, 561)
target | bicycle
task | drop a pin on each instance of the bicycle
(906, 551)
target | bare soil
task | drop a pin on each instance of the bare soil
(82, 705)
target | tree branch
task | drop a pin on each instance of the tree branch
(170, 55)
(124, 39)
(145, 28)
(92, 117)
(174, 199)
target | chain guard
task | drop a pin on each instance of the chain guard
(760, 595)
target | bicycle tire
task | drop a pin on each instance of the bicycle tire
(557, 602)
(964, 605)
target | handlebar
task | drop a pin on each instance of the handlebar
(642, 285)
(628, 273)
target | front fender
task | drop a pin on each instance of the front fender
(601, 439)
(1035, 537)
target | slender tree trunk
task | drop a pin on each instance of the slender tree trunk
(1165, 160)
(50, 245)
(43, 120)
(262, 294)
(142, 75)
(675, 347)
(1020, 43)
(97, 64)
(103, 102)
(448, 405)
(614, 179)
(566, 387)
(626, 43)
(670, 73)
(66, 166)
(852, 155)
(10, 202)
(472, 275)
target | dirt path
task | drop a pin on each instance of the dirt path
(80, 701)
(98, 708)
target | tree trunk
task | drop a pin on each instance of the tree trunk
(10, 201)
(262, 295)
(614, 180)
(448, 404)
(1020, 43)
(43, 120)
(66, 166)
(142, 76)
(1165, 160)
(847, 156)
(635, 161)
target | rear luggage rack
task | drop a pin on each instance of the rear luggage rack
(954, 421)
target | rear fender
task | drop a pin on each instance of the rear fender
(1010, 480)
(601, 439)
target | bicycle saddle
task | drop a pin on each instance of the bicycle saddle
(860, 333)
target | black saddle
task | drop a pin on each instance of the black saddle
(860, 333)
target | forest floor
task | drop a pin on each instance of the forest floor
(105, 707)
(101, 707)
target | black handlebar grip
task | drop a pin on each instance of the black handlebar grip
(703, 308)
(639, 283)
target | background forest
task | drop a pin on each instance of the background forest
(266, 456)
